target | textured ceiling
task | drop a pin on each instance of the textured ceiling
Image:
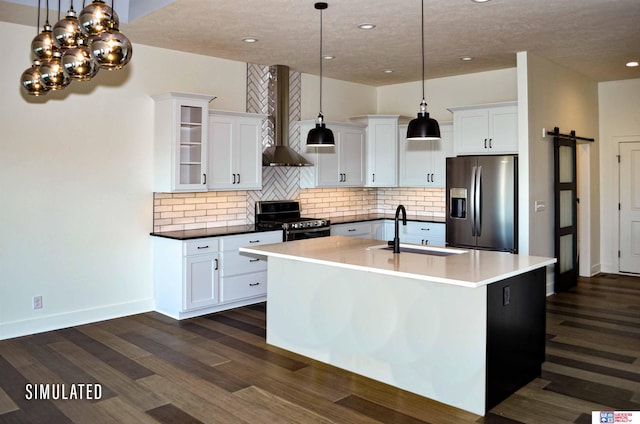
(593, 37)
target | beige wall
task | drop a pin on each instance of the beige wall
(550, 96)
(619, 104)
(76, 179)
(76, 183)
(443, 93)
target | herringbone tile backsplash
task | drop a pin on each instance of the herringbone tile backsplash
(183, 211)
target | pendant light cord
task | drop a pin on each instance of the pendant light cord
(422, 15)
(320, 61)
(39, 8)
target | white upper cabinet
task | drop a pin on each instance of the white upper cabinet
(422, 163)
(486, 129)
(180, 142)
(235, 151)
(381, 149)
(339, 166)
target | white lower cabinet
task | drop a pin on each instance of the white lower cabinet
(416, 232)
(201, 281)
(243, 277)
(355, 229)
(202, 276)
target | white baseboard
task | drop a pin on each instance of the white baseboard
(13, 329)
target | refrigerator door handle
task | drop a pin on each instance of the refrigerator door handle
(472, 200)
(478, 206)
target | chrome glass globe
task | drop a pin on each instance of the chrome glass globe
(52, 74)
(30, 80)
(78, 63)
(111, 49)
(67, 31)
(43, 44)
(98, 17)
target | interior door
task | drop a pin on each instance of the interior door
(566, 227)
(629, 207)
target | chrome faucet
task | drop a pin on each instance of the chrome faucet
(396, 238)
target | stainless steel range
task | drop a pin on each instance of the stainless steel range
(285, 215)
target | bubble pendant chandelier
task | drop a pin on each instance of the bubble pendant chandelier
(75, 48)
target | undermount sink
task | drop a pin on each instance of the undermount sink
(420, 249)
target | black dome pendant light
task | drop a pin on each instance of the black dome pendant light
(423, 127)
(320, 136)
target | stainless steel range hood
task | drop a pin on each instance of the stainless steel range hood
(280, 154)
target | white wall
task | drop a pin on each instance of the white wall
(558, 97)
(76, 179)
(619, 103)
(442, 93)
(340, 99)
(76, 183)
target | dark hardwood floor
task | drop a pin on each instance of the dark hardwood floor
(218, 369)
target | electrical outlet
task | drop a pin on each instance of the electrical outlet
(37, 302)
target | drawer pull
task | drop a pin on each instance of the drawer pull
(253, 284)
(254, 260)
(203, 247)
(351, 229)
(254, 241)
(425, 229)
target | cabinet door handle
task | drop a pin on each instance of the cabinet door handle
(485, 143)
(234, 179)
(490, 140)
(202, 247)
(204, 178)
(254, 284)
(215, 261)
(254, 260)
(373, 178)
(238, 178)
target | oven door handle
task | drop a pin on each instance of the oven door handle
(308, 230)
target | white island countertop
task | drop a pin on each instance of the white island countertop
(473, 268)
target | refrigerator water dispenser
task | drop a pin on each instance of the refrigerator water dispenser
(458, 200)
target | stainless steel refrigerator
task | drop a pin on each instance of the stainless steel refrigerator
(482, 202)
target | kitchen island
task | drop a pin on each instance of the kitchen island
(466, 328)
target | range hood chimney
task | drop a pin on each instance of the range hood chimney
(280, 154)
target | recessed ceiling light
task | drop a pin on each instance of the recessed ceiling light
(466, 58)
(249, 39)
(328, 57)
(480, 1)
(388, 71)
(366, 26)
(632, 64)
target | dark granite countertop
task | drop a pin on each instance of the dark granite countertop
(209, 232)
(251, 228)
